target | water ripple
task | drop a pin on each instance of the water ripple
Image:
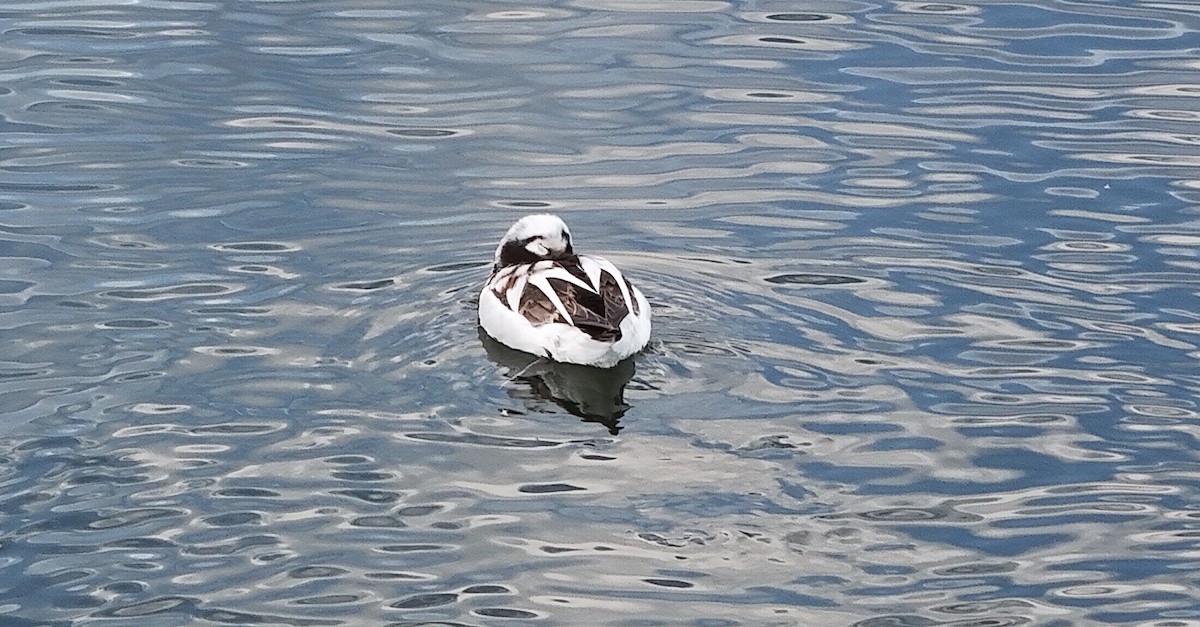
(922, 277)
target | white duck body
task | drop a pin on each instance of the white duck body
(545, 300)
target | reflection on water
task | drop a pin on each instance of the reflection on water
(594, 394)
(923, 274)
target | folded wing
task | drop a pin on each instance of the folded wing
(590, 294)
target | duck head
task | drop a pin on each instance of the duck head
(534, 238)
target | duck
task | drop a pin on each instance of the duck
(544, 299)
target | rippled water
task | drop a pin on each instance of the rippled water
(924, 278)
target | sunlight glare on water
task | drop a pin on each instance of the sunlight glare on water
(923, 275)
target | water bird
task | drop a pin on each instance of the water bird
(545, 300)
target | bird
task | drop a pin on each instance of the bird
(544, 299)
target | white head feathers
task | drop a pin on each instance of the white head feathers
(533, 237)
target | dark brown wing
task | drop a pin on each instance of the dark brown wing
(637, 309)
(533, 304)
(598, 315)
(500, 288)
(537, 308)
(574, 267)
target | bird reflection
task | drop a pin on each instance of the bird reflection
(593, 394)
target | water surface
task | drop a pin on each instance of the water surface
(924, 279)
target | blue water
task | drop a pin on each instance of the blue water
(924, 278)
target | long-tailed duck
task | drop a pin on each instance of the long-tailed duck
(544, 299)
